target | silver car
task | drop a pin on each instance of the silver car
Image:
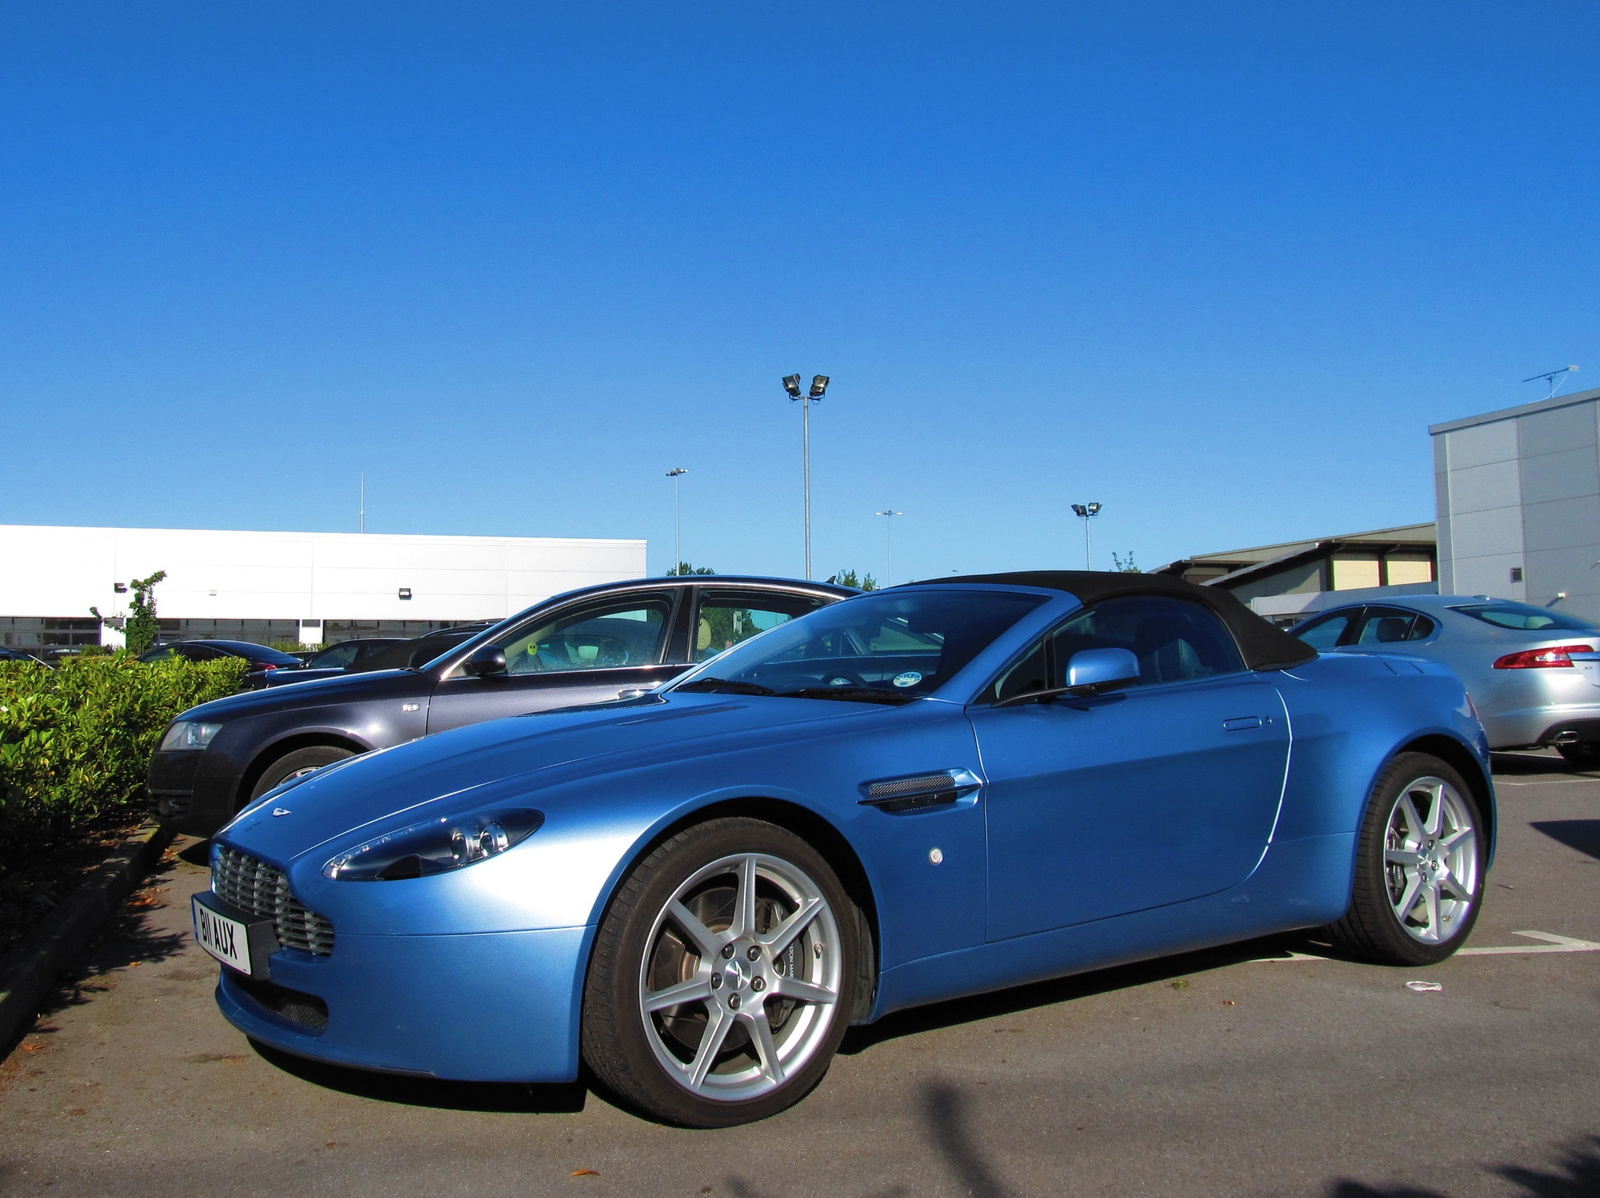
(1532, 672)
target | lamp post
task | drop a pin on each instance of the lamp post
(819, 384)
(888, 544)
(1088, 511)
(676, 475)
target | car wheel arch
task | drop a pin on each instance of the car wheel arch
(809, 826)
(1465, 762)
(282, 747)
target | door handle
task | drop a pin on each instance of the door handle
(1239, 723)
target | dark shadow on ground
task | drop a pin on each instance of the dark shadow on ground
(1580, 834)
(198, 853)
(1534, 764)
(1015, 999)
(1576, 1176)
(567, 1098)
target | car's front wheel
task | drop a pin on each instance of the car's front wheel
(1419, 866)
(292, 765)
(723, 975)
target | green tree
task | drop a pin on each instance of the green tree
(848, 578)
(1125, 565)
(686, 568)
(141, 628)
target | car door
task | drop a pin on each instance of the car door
(1162, 791)
(587, 652)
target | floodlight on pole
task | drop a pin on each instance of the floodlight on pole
(1554, 377)
(676, 475)
(888, 543)
(819, 385)
(1087, 511)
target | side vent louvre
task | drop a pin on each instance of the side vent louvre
(920, 791)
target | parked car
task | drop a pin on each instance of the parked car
(19, 655)
(1533, 672)
(348, 657)
(266, 664)
(582, 647)
(916, 794)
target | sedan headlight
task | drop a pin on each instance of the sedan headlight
(187, 734)
(435, 846)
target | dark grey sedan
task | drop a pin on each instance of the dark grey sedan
(585, 646)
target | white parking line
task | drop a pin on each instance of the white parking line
(1550, 782)
(1553, 944)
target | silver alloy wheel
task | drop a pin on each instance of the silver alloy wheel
(1431, 860)
(739, 984)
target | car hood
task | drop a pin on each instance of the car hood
(514, 760)
(314, 691)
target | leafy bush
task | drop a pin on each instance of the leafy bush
(75, 743)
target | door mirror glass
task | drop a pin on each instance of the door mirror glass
(1099, 669)
(490, 659)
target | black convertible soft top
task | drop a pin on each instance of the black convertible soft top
(1263, 646)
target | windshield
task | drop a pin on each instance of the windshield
(1524, 617)
(886, 647)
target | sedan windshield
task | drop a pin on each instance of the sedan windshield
(1524, 617)
(886, 647)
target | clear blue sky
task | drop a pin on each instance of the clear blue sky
(1216, 266)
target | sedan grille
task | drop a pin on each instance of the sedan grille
(257, 888)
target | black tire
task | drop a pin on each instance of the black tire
(1373, 929)
(301, 761)
(626, 1048)
(1585, 754)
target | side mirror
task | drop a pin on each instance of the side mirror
(487, 661)
(1101, 669)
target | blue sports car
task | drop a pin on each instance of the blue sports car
(916, 794)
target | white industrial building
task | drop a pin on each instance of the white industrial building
(1518, 494)
(280, 586)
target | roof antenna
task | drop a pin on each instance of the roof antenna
(1554, 377)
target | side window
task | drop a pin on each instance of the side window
(1030, 674)
(1386, 626)
(1174, 640)
(1324, 632)
(725, 618)
(623, 632)
(1422, 629)
(337, 657)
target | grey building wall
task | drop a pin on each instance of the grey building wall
(1518, 490)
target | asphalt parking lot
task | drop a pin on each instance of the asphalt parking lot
(1269, 1070)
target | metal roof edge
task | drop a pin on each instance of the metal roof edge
(1526, 409)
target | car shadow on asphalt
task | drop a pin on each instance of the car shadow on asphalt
(1016, 999)
(519, 1098)
(1577, 1175)
(1525, 765)
(1580, 834)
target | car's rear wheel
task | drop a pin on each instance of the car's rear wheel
(292, 765)
(1419, 866)
(722, 977)
(1585, 754)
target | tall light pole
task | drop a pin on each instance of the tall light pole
(1088, 511)
(888, 544)
(676, 475)
(819, 384)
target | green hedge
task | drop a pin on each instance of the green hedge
(75, 742)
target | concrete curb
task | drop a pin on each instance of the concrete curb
(28, 971)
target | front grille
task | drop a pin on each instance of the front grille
(257, 888)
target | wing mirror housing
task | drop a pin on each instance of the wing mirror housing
(487, 661)
(1091, 670)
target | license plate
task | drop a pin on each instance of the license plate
(226, 939)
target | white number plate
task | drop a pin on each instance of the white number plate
(226, 939)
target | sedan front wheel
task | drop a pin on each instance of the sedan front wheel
(723, 975)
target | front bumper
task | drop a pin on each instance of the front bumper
(492, 1007)
(192, 791)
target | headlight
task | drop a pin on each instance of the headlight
(435, 846)
(186, 734)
